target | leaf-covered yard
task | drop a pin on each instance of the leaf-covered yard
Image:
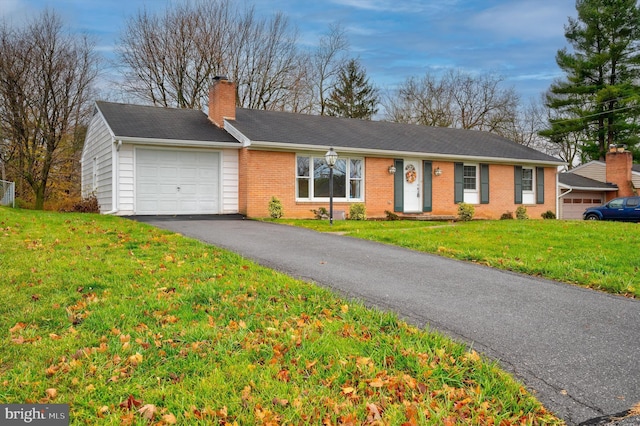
(130, 325)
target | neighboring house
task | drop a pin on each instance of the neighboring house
(142, 160)
(594, 183)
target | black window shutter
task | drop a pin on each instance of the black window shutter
(539, 185)
(484, 184)
(518, 184)
(398, 188)
(427, 183)
(458, 177)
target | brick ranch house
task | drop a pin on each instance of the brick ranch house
(143, 160)
(594, 183)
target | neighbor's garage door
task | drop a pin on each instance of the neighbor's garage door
(176, 182)
(575, 203)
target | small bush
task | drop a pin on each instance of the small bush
(506, 216)
(391, 215)
(275, 208)
(521, 213)
(465, 212)
(321, 213)
(358, 211)
(88, 204)
(548, 215)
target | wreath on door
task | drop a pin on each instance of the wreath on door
(410, 174)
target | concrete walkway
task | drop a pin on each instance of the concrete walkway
(578, 350)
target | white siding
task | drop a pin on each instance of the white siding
(97, 154)
(126, 180)
(229, 181)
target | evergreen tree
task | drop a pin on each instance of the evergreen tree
(353, 96)
(599, 99)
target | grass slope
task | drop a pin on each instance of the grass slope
(131, 325)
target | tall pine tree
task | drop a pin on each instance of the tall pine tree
(353, 95)
(599, 99)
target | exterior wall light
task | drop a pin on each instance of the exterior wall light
(392, 170)
(437, 171)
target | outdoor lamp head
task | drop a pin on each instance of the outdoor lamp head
(331, 157)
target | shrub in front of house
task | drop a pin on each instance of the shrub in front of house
(506, 216)
(548, 215)
(275, 208)
(358, 211)
(87, 204)
(465, 212)
(391, 215)
(521, 213)
(320, 213)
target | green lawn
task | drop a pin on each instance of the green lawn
(130, 325)
(600, 255)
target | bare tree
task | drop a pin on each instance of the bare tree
(326, 62)
(455, 100)
(170, 60)
(426, 101)
(262, 60)
(46, 78)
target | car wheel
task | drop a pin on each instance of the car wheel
(592, 217)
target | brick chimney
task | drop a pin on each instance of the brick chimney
(222, 101)
(619, 163)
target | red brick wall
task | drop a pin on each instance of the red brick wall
(222, 102)
(264, 174)
(619, 172)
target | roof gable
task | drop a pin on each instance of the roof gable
(151, 122)
(576, 181)
(272, 127)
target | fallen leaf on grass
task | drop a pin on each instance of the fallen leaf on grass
(373, 412)
(51, 393)
(130, 402)
(147, 411)
(169, 419)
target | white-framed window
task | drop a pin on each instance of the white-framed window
(470, 179)
(528, 185)
(312, 178)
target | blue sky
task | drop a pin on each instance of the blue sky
(394, 39)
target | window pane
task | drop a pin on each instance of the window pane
(355, 170)
(355, 189)
(303, 187)
(469, 174)
(321, 178)
(527, 179)
(303, 166)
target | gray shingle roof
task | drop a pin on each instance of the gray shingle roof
(282, 127)
(138, 121)
(576, 181)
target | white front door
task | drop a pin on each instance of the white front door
(177, 181)
(412, 172)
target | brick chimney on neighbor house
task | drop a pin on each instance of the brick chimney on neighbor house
(619, 162)
(222, 101)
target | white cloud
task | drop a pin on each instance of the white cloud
(525, 20)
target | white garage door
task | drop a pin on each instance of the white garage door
(177, 182)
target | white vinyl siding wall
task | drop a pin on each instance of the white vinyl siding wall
(229, 181)
(98, 152)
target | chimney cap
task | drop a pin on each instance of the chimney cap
(220, 77)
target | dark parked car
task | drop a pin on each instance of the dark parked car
(626, 208)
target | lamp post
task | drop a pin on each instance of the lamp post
(331, 157)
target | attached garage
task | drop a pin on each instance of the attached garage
(176, 182)
(144, 160)
(578, 193)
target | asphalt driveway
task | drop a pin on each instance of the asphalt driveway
(578, 350)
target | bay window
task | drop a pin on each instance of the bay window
(312, 178)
